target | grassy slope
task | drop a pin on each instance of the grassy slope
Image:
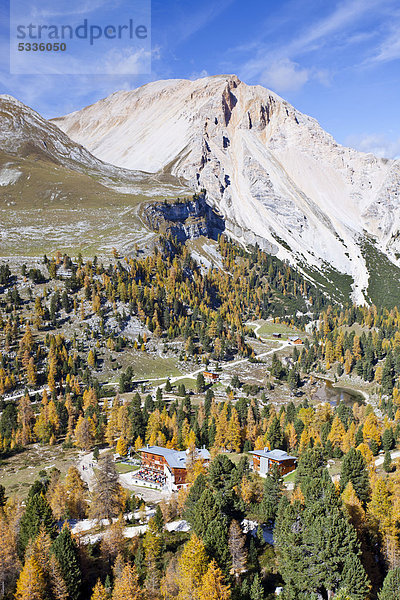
(384, 281)
(18, 472)
(51, 207)
(332, 282)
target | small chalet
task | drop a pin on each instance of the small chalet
(210, 377)
(263, 460)
(276, 334)
(167, 466)
(295, 340)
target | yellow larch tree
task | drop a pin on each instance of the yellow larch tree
(379, 508)
(213, 586)
(234, 438)
(99, 592)
(371, 429)
(349, 438)
(40, 550)
(113, 542)
(353, 507)
(127, 586)
(30, 584)
(337, 432)
(291, 436)
(25, 420)
(85, 432)
(221, 434)
(369, 457)
(57, 498)
(192, 566)
(75, 489)
(9, 561)
(122, 446)
(348, 361)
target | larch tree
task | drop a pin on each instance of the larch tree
(234, 437)
(213, 586)
(371, 429)
(75, 489)
(58, 501)
(9, 562)
(380, 507)
(108, 498)
(153, 546)
(192, 566)
(353, 507)
(99, 592)
(31, 584)
(122, 446)
(237, 549)
(25, 420)
(40, 550)
(126, 586)
(113, 541)
(337, 433)
(85, 432)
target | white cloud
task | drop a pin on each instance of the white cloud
(377, 144)
(198, 74)
(282, 64)
(344, 15)
(76, 8)
(284, 75)
(124, 62)
(389, 48)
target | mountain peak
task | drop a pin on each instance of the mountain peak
(273, 172)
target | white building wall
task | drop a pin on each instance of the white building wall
(264, 466)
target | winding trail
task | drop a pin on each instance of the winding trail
(227, 366)
(85, 468)
(193, 374)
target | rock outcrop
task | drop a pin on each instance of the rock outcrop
(187, 218)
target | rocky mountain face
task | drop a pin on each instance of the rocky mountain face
(276, 176)
(185, 219)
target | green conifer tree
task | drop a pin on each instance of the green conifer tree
(354, 469)
(66, 552)
(37, 514)
(391, 586)
(387, 462)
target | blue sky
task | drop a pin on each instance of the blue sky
(338, 61)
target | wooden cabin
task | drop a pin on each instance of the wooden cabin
(263, 461)
(210, 377)
(171, 463)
